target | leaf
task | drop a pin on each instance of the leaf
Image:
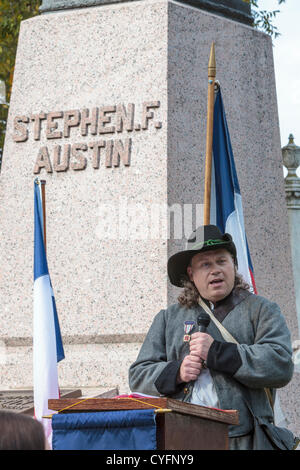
(263, 19)
(11, 14)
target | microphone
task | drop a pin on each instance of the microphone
(203, 321)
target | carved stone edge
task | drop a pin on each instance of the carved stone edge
(241, 15)
(77, 339)
(47, 6)
(223, 10)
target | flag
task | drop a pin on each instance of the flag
(226, 207)
(47, 342)
(226, 201)
(108, 430)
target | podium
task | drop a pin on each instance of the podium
(179, 425)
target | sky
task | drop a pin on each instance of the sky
(287, 66)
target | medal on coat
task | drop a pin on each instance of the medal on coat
(188, 326)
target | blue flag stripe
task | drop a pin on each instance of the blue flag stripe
(226, 180)
(40, 260)
(224, 186)
(41, 265)
(221, 125)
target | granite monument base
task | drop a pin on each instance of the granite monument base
(109, 107)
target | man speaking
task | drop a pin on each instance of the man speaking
(220, 345)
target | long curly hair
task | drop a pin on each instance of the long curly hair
(190, 295)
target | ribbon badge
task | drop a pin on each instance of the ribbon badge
(188, 326)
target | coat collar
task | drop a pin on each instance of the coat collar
(224, 306)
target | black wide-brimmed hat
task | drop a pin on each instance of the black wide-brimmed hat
(204, 238)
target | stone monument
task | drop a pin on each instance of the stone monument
(109, 107)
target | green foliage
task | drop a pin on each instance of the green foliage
(263, 19)
(12, 12)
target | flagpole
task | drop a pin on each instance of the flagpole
(43, 184)
(209, 133)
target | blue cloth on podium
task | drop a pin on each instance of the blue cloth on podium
(105, 430)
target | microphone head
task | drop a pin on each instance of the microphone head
(203, 319)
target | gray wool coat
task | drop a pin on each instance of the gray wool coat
(262, 359)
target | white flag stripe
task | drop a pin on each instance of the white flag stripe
(44, 350)
(234, 226)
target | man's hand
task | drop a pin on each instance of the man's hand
(200, 344)
(190, 369)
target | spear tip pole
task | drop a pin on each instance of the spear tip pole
(212, 68)
(209, 132)
(43, 183)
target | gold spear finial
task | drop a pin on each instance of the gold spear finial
(212, 62)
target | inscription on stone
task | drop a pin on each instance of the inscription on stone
(102, 121)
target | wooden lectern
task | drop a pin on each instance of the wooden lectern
(180, 426)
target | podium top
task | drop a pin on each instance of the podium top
(72, 405)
